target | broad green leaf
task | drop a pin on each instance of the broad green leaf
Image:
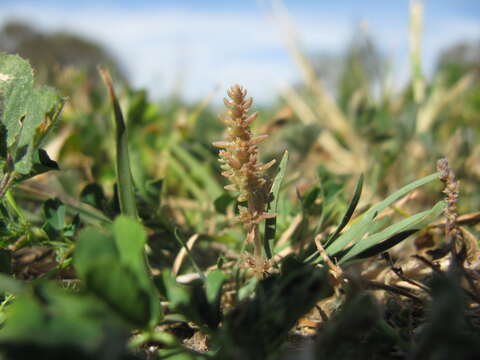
(26, 113)
(92, 247)
(51, 318)
(176, 293)
(41, 106)
(360, 228)
(130, 239)
(118, 286)
(214, 284)
(102, 260)
(16, 84)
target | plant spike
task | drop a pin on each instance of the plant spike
(239, 162)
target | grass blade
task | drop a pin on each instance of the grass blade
(360, 228)
(348, 214)
(126, 190)
(346, 218)
(271, 224)
(416, 221)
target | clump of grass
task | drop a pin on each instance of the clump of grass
(239, 162)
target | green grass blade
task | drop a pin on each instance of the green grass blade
(351, 208)
(126, 192)
(360, 228)
(384, 245)
(271, 224)
(416, 221)
(346, 218)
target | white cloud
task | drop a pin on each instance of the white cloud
(207, 48)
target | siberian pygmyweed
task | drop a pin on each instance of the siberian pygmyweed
(239, 162)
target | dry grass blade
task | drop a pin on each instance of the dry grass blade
(415, 40)
(331, 115)
(182, 254)
(439, 99)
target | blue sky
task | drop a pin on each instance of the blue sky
(210, 44)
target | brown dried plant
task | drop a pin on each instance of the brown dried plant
(451, 191)
(239, 162)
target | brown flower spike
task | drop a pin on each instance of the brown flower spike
(239, 162)
(451, 192)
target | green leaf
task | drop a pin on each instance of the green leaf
(42, 104)
(385, 245)
(215, 280)
(92, 247)
(118, 286)
(130, 239)
(16, 83)
(54, 211)
(26, 113)
(126, 191)
(123, 252)
(360, 228)
(49, 319)
(41, 163)
(417, 221)
(351, 208)
(176, 293)
(93, 195)
(271, 224)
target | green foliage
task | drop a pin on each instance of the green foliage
(364, 225)
(49, 322)
(271, 224)
(26, 116)
(124, 175)
(198, 301)
(257, 327)
(113, 267)
(103, 286)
